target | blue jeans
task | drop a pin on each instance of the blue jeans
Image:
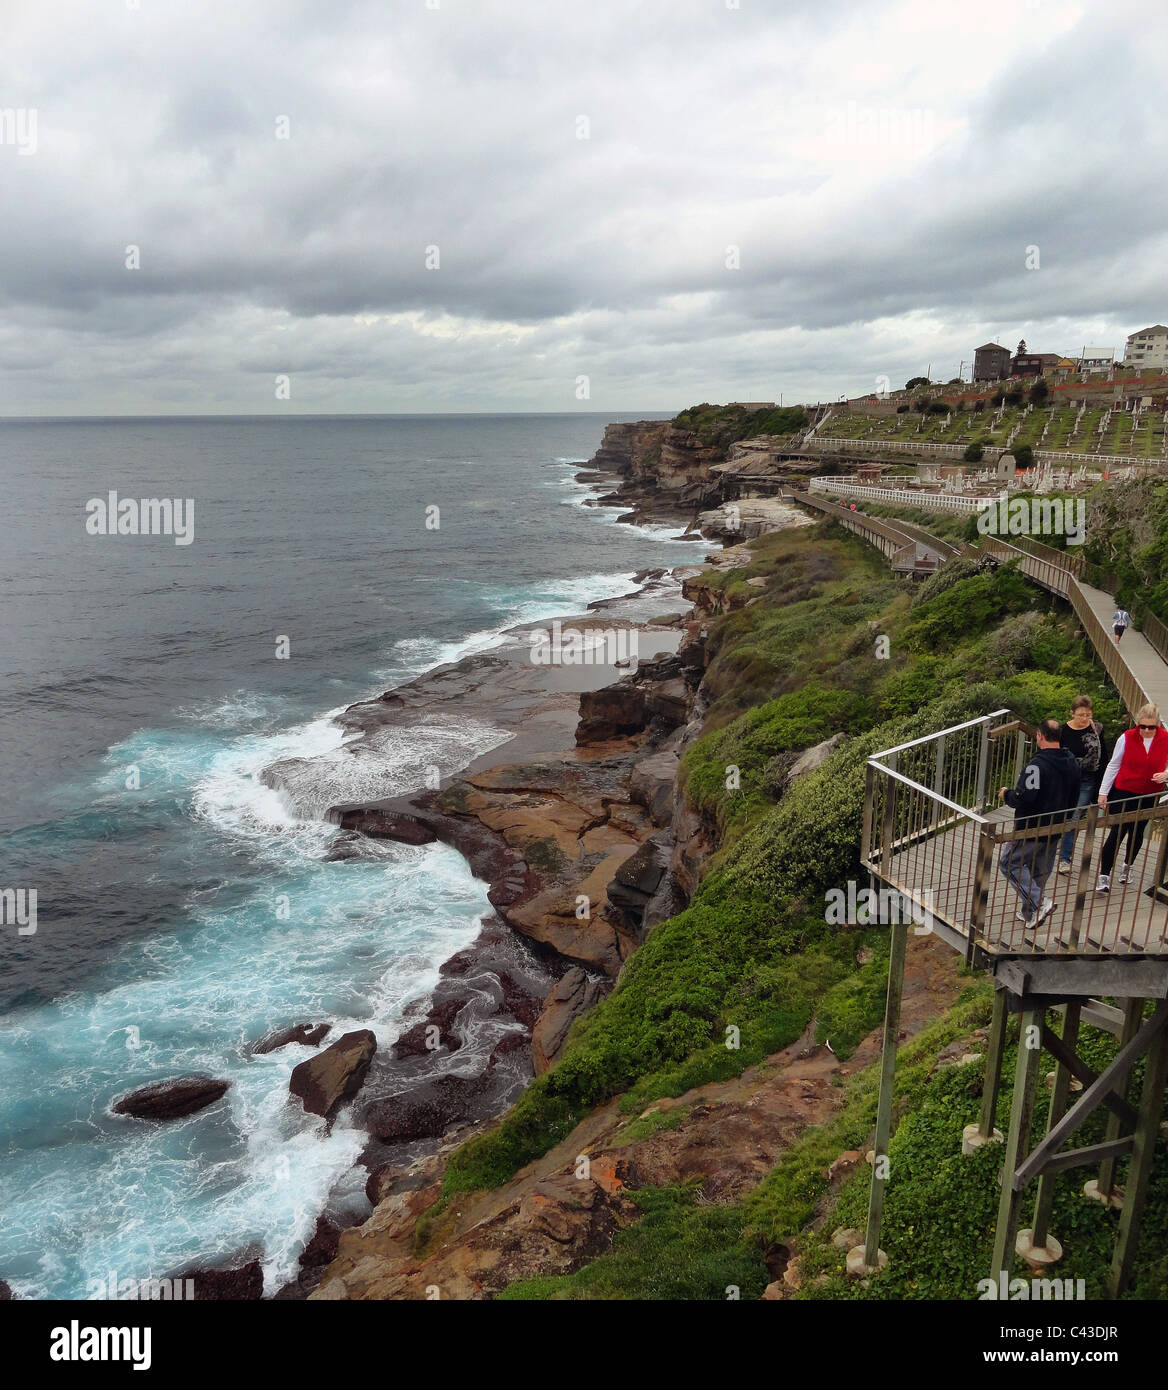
(1086, 788)
(1027, 865)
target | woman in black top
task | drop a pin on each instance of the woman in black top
(1082, 735)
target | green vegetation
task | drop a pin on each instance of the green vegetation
(753, 949)
(1127, 545)
(719, 426)
(1050, 425)
(939, 1210)
(753, 956)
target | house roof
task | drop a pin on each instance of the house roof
(1155, 328)
(986, 347)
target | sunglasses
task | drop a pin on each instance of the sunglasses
(1153, 727)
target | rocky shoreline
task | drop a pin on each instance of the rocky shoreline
(574, 821)
(566, 820)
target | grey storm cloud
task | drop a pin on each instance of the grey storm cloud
(767, 197)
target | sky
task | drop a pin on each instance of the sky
(254, 206)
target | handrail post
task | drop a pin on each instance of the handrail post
(983, 766)
(888, 821)
(1019, 754)
(1083, 887)
(866, 831)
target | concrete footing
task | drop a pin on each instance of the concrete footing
(1114, 1198)
(972, 1139)
(1038, 1257)
(857, 1266)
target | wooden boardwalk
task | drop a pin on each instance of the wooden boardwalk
(938, 873)
(1136, 668)
(1136, 652)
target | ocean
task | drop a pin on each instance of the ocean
(183, 907)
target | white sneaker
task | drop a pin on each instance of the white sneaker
(1064, 867)
(1104, 884)
(1022, 916)
(1045, 910)
(1122, 873)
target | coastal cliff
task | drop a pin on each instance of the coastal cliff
(703, 1068)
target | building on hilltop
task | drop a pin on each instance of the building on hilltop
(1033, 363)
(991, 362)
(1096, 359)
(1147, 348)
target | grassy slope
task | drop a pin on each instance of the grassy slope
(753, 948)
(719, 426)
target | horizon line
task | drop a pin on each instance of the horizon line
(327, 414)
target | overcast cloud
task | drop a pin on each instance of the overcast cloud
(880, 168)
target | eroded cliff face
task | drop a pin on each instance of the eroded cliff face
(665, 471)
(630, 450)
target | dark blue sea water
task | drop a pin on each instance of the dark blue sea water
(182, 906)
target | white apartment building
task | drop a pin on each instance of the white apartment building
(1147, 348)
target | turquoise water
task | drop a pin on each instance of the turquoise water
(184, 908)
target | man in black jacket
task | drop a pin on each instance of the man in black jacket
(1047, 791)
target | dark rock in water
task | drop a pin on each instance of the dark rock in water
(519, 1002)
(5, 1292)
(322, 1248)
(227, 1285)
(413, 1043)
(335, 1075)
(170, 1100)
(574, 995)
(307, 1033)
(389, 825)
(513, 1042)
(426, 1113)
(345, 847)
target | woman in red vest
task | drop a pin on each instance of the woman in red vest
(1134, 780)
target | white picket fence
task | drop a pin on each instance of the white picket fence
(904, 497)
(957, 450)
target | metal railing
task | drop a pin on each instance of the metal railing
(1146, 621)
(934, 832)
(1058, 572)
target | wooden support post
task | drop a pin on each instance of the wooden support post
(1140, 1172)
(1133, 1013)
(1058, 1104)
(993, 1068)
(887, 1080)
(1025, 1077)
